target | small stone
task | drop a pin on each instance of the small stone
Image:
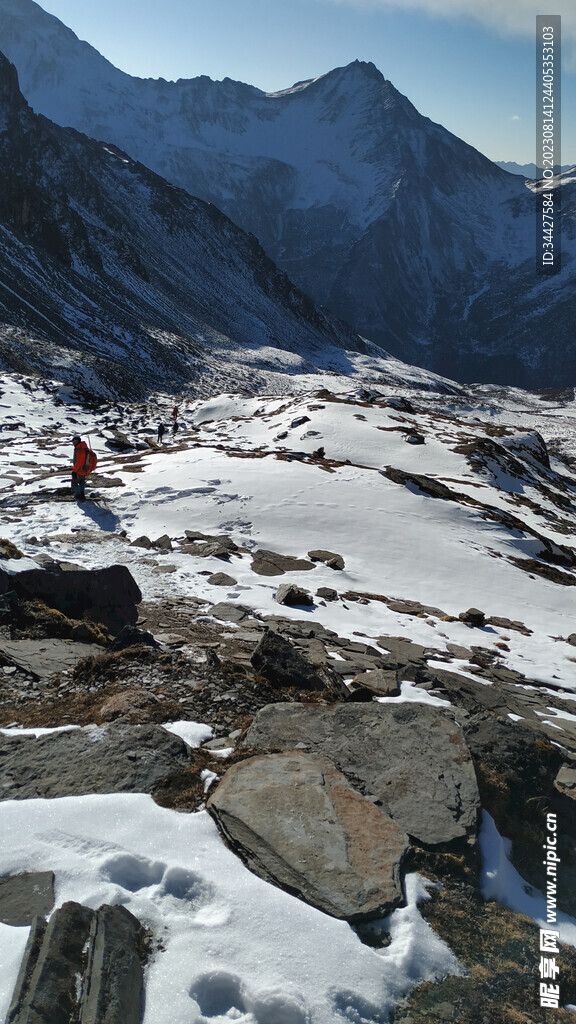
(327, 593)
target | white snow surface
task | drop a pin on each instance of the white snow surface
(230, 947)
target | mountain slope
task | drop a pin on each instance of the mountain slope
(379, 214)
(101, 256)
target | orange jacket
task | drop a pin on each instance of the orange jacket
(81, 466)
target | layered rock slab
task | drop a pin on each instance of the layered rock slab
(83, 967)
(297, 822)
(411, 758)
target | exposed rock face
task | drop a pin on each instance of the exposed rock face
(111, 759)
(282, 665)
(297, 821)
(412, 758)
(107, 595)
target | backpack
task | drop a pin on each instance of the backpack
(90, 462)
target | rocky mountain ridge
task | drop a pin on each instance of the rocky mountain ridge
(102, 258)
(421, 243)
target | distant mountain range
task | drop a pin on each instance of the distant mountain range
(528, 170)
(422, 244)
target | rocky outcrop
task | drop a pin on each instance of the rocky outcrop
(297, 821)
(411, 758)
(280, 663)
(109, 595)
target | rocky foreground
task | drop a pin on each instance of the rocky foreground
(337, 764)
(326, 791)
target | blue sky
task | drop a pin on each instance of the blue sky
(468, 64)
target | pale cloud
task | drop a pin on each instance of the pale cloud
(517, 18)
(515, 117)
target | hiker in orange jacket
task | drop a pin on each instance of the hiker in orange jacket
(80, 469)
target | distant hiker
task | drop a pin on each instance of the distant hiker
(84, 463)
(175, 413)
(161, 432)
(175, 427)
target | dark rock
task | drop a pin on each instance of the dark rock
(571, 639)
(110, 759)
(297, 822)
(290, 594)
(26, 896)
(269, 563)
(327, 593)
(473, 617)
(415, 438)
(280, 663)
(401, 404)
(299, 421)
(411, 757)
(8, 605)
(330, 558)
(107, 595)
(131, 636)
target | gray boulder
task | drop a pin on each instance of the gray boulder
(296, 821)
(291, 595)
(412, 758)
(110, 759)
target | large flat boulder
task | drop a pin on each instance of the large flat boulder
(297, 821)
(411, 757)
(109, 595)
(108, 759)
